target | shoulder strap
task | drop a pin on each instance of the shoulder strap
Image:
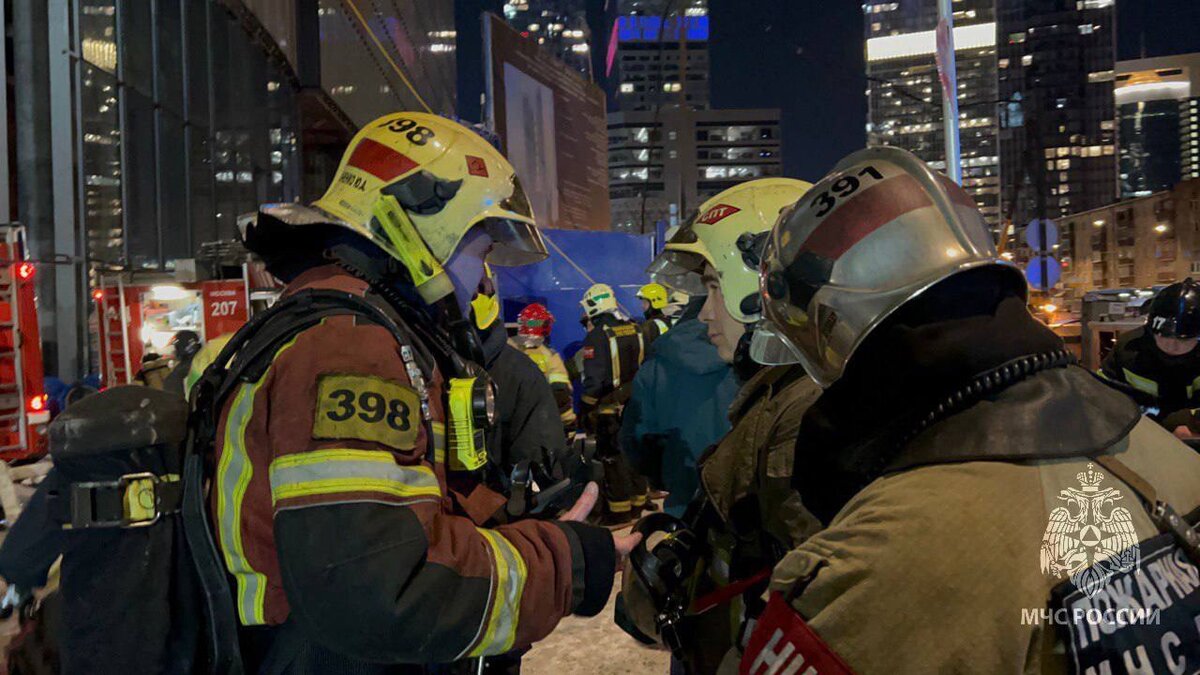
(1165, 518)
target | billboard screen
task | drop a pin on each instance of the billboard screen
(552, 127)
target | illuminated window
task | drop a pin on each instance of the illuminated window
(1063, 164)
(1027, 60)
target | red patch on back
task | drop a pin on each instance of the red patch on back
(476, 166)
(380, 161)
(783, 643)
(717, 213)
(589, 352)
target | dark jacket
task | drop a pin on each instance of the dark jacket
(530, 426)
(605, 370)
(1171, 384)
(679, 407)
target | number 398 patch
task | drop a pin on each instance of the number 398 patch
(367, 408)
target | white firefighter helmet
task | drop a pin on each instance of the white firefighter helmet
(414, 184)
(598, 299)
(726, 233)
(878, 231)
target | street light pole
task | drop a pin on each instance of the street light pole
(948, 70)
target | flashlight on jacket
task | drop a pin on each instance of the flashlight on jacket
(472, 413)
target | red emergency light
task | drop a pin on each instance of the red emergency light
(37, 403)
(25, 271)
(97, 295)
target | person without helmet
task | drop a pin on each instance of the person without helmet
(348, 519)
(611, 354)
(654, 303)
(185, 344)
(534, 324)
(976, 489)
(747, 508)
(1159, 363)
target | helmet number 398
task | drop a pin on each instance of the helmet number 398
(842, 188)
(417, 135)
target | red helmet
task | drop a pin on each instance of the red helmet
(535, 319)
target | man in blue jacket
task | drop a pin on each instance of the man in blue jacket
(680, 406)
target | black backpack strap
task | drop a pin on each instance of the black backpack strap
(246, 358)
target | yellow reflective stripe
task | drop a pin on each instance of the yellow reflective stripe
(333, 471)
(558, 378)
(1140, 383)
(662, 326)
(1193, 387)
(507, 587)
(615, 358)
(439, 442)
(233, 478)
(620, 507)
(638, 500)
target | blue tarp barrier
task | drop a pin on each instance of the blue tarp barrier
(612, 258)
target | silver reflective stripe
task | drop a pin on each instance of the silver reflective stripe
(341, 471)
(504, 614)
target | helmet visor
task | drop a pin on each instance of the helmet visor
(679, 270)
(770, 347)
(516, 243)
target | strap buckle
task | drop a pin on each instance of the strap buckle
(133, 500)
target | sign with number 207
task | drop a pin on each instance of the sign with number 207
(224, 307)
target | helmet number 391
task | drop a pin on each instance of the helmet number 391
(417, 135)
(842, 188)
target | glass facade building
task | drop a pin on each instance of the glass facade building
(173, 117)
(1058, 136)
(1158, 105)
(661, 62)
(904, 99)
(558, 26)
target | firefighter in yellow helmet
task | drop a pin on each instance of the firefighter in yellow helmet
(746, 511)
(654, 301)
(348, 498)
(611, 354)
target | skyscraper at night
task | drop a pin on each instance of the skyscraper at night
(559, 26)
(904, 91)
(660, 62)
(1058, 123)
(1158, 105)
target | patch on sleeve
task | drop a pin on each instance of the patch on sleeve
(367, 408)
(589, 352)
(783, 643)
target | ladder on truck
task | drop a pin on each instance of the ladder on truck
(113, 322)
(23, 406)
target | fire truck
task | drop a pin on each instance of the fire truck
(138, 315)
(23, 405)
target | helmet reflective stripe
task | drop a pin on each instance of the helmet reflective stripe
(872, 235)
(599, 299)
(726, 234)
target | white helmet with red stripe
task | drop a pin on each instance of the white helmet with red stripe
(875, 233)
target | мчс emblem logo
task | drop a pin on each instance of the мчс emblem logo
(1089, 539)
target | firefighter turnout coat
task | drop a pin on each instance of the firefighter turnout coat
(967, 556)
(336, 513)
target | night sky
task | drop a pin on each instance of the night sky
(806, 57)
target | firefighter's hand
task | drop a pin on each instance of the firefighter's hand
(583, 506)
(1182, 432)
